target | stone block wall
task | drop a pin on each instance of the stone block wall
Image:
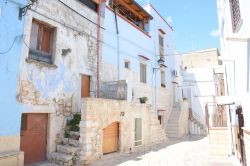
(12, 159)
(183, 121)
(99, 113)
(247, 145)
(219, 141)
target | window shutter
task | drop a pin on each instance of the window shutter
(46, 40)
(235, 14)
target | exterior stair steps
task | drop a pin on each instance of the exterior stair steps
(172, 129)
(67, 153)
(61, 158)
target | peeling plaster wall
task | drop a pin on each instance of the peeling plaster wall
(56, 88)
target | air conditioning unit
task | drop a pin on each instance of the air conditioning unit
(175, 73)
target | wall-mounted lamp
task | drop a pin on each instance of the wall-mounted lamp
(66, 51)
(23, 10)
(160, 63)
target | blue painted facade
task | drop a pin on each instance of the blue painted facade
(128, 45)
(11, 43)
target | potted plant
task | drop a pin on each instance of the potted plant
(143, 99)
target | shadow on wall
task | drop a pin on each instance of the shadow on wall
(199, 90)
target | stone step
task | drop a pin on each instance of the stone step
(173, 122)
(46, 164)
(60, 158)
(173, 125)
(70, 141)
(174, 116)
(66, 149)
(173, 135)
(172, 131)
(74, 135)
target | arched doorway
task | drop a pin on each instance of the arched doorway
(110, 138)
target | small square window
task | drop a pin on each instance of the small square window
(41, 42)
(127, 64)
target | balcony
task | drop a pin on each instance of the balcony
(132, 12)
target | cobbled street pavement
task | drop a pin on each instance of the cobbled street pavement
(188, 151)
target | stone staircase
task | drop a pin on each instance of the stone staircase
(68, 150)
(67, 153)
(172, 129)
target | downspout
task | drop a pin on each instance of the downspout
(98, 50)
(118, 43)
(155, 74)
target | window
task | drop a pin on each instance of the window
(163, 79)
(235, 14)
(41, 42)
(161, 45)
(160, 119)
(143, 73)
(138, 131)
(92, 5)
(127, 64)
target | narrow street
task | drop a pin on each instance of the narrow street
(189, 151)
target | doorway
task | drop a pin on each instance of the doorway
(241, 136)
(110, 138)
(85, 86)
(34, 137)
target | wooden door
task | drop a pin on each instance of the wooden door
(241, 136)
(85, 86)
(34, 137)
(110, 138)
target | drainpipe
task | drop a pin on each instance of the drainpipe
(155, 73)
(98, 50)
(118, 43)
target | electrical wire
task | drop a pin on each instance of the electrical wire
(80, 14)
(11, 46)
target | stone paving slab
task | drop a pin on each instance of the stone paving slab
(188, 151)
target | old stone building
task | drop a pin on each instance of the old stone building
(94, 81)
(58, 67)
(60, 77)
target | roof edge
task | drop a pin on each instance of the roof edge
(151, 5)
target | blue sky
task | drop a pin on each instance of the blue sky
(195, 22)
